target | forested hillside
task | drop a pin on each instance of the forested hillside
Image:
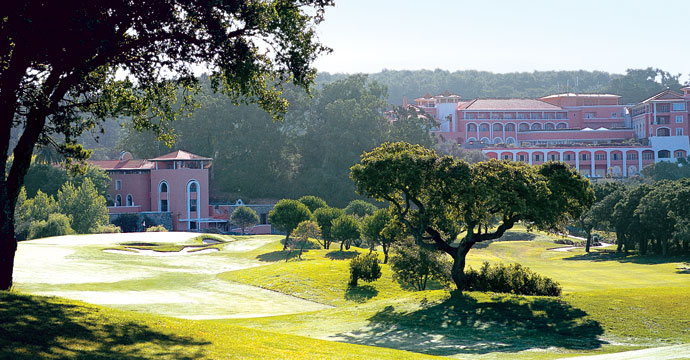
(311, 151)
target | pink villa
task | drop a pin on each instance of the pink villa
(170, 190)
(591, 132)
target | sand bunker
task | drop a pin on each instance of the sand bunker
(210, 241)
(189, 250)
(568, 248)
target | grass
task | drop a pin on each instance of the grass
(611, 302)
(34, 327)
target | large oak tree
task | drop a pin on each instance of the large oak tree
(66, 66)
(440, 198)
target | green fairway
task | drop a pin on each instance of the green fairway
(611, 302)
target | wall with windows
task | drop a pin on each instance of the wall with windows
(177, 181)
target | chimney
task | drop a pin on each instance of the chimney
(405, 101)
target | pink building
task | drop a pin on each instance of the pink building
(175, 184)
(592, 132)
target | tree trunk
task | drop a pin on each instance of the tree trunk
(8, 242)
(619, 241)
(589, 241)
(458, 269)
(385, 254)
(287, 241)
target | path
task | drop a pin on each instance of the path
(658, 353)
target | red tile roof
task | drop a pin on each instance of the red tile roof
(179, 155)
(123, 164)
(512, 104)
(665, 95)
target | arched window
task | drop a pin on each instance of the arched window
(118, 200)
(663, 132)
(523, 127)
(536, 126)
(130, 200)
(484, 140)
(510, 127)
(484, 127)
(498, 127)
(562, 126)
(510, 141)
(498, 140)
(471, 128)
(549, 126)
(664, 154)
(192, 187)
(163, 196)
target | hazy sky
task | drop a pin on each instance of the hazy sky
(507, 35)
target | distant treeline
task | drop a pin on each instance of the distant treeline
(636, 85)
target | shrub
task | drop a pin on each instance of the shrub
(109, 229)
(365, 267)
(360, 208)
(56, 225)
(514, 278)
(127, 222)
(313, 202)
(244, 217)
(415, 266)
(156, 228)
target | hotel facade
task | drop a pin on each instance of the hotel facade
(591, 132)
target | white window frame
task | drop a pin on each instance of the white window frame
(118, 184)
(679, 131)
(680, 107)
(679, 119)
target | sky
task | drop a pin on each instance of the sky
(506, 35)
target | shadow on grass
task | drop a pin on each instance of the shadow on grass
(508, 236)
(612, 255)
(462, 325)
(35, 328)
(341, 255)
(360, 293)
(274, 256)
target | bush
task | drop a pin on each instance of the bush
(415, 266)
(156, 228)
(127, 222)
(56, 225)
(365, 267)
(514, 279)
(109, 229)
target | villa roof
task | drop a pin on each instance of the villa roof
(512, 104)
(179, 155)
(123, 164)
(579, 95)
(665, 95)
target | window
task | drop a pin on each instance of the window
(613, 115)
(664, 154)
(164, 205)
(590, 115)
(679, 119)
(584, 156)
(663, 108)
(600, 157)
(118, 184)
(130, 200)
(521, 157)
(263, 219)
(679, 131)
(118, 200)
(647, 155)
(680, 154)
(631, 156)
(567, 157)
(679, 107)
(192, 225)
(506, 157)
(536, 157)
(553, 157)
(615, 156)
(164, 187)
(192, 205)
(192, 187)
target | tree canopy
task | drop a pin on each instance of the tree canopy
(286, 215)
(438, 198)
(67, 66)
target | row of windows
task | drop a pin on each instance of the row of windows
(521, 127)
(647, 155)
(534, 116)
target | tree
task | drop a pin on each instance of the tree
(306, 230)
(60, 63)
(244, 217)
(313, 202)
(360, 208)
(85, 207)
(380, 229)
(56, 225)
(415, 266)
(345, 229)
(438, 198)
(365, 267)
(324, 217)
(286, 215)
